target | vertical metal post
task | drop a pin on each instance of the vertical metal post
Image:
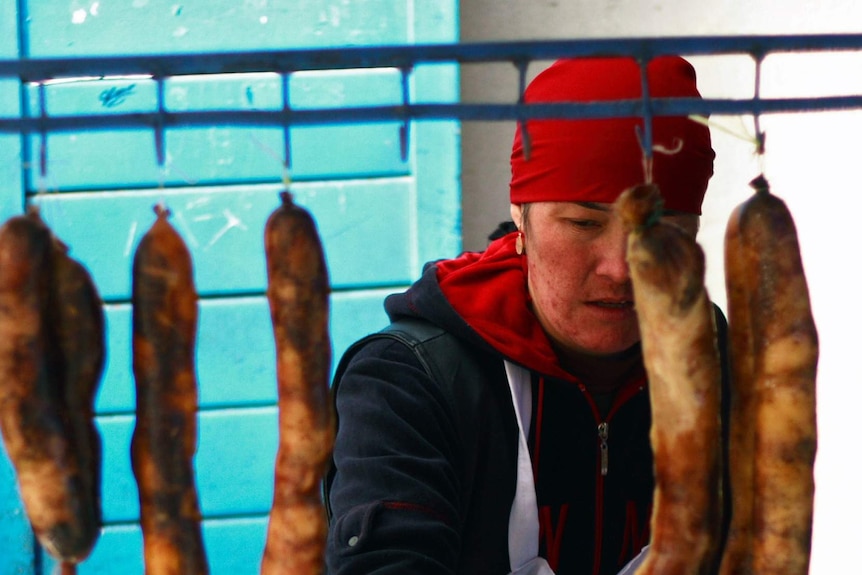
(159, 128)
(404, 129)
(646, 136)
(526, 144)
(285, 126)
(759, 136)
(43, 132)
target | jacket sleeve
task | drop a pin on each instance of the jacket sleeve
(394, 488)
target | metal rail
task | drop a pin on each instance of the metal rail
(466, 112)
(406, 58)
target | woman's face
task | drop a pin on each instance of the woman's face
(577, 274)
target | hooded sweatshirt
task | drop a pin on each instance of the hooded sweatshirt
(424, 476)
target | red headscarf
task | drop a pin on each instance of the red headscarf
(595, 160)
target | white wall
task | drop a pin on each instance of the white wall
(812, 161)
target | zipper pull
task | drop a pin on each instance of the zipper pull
(603, 446)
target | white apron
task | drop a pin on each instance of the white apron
(524, 516)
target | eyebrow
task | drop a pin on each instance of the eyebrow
(595, 206)
(609, 207)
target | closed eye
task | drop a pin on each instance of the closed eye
(585, 224)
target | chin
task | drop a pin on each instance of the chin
(610, 347)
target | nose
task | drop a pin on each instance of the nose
(611, 259)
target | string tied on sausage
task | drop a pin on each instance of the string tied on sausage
(648, 149)
(760, 184)
(655, 215)
(644, 211)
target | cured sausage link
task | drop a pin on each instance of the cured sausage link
(740, 271)
(164, 326)
(79, 321)
(679, 340)
(56, 487)
(298, 294)
(786, 351)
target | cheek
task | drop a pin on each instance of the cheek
(548, 250)
(556, 272)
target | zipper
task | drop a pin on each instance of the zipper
(603, 447)
(625, 394)
(600, 498)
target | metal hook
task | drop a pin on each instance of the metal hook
(404, 130)
(526, 143)
(759, 136)
(285, 126)
(159, 128)
(645, 137)
(43, 132)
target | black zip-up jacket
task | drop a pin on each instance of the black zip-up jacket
(423, 472)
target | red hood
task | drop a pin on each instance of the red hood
(489, 291)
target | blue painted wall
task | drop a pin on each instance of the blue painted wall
(380, 217)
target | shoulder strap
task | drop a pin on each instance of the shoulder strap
(412, 333)
(428, 342)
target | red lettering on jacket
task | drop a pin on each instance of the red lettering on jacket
(635, 535)
(551, 534)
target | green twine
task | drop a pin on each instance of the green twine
(655, 214)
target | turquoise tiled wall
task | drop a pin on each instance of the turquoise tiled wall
(16, 539)
(380, 217)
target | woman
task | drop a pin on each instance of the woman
(500, 424)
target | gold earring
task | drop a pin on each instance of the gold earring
(519, 243)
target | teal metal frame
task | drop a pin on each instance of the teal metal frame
(419, 119)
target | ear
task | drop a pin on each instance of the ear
(515, 210)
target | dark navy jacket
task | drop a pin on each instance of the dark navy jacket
(423, 472)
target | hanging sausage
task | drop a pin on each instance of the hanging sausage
(298, 294)
(773, 425)
(680, 351)
(52, 354)
(164, 329)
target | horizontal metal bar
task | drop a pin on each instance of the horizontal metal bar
(405, 56)
(464, 112)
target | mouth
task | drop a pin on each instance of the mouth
(621, 304)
